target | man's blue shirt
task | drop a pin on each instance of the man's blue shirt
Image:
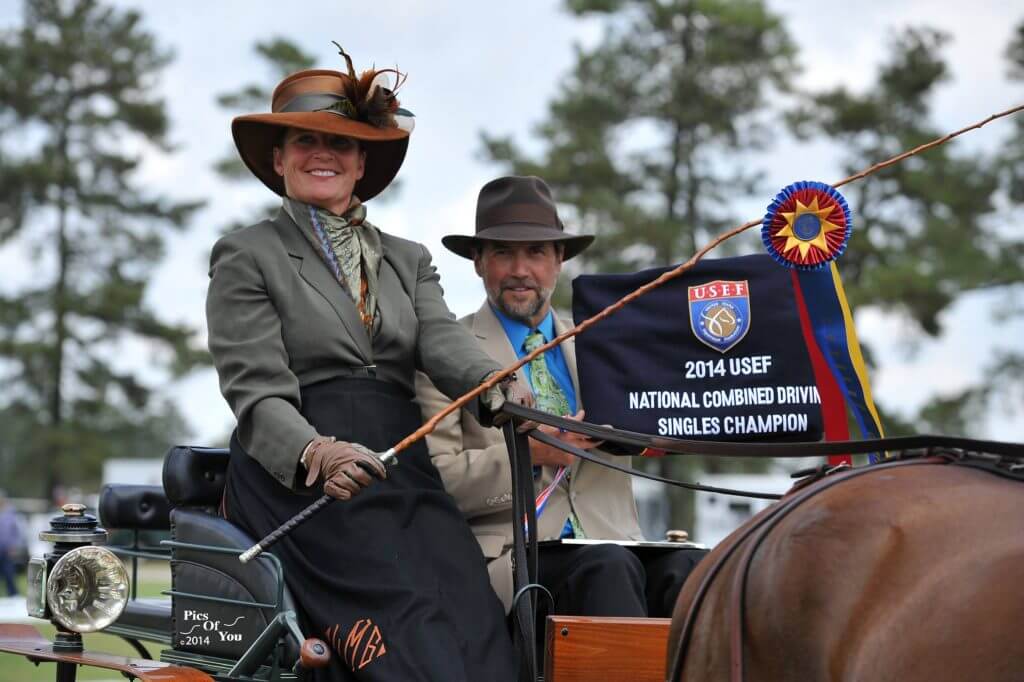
(517, 332)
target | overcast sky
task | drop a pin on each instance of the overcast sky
(493, 66)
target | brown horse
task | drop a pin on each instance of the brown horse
(906, 571)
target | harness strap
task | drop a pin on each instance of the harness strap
(524, 552)
(733, 449)
(547, 439)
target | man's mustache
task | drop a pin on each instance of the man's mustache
(519, 284)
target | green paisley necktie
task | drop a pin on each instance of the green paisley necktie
(549, 397)
(548, 394)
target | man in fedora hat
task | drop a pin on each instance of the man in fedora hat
(518, 250)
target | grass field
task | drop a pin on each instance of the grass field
(153, 578)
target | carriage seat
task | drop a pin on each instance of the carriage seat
(134, 507)
(137, 508)
(193, 480)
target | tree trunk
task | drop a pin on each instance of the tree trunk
(60, 331)
(681, 501)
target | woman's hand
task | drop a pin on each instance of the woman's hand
(345, 468)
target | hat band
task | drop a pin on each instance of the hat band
(321, 101)
(519, 213)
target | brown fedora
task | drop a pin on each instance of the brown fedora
(516, 209)
(335, 103)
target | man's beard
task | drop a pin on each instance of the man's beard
(523, 311)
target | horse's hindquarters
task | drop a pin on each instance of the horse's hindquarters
(902, 573)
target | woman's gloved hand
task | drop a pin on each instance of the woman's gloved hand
(345, 468)
(509, 389)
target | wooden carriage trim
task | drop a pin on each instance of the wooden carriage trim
(591, 649)
(27, 641)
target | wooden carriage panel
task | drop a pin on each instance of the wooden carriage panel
(27, 641)
(594, 649)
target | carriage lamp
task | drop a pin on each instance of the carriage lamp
(78, 586)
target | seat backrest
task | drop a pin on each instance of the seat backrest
(194, 481)
(134, 507)
(211, 627)
(194, 476)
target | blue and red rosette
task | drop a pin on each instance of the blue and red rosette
(807, 225)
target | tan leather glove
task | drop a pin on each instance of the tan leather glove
(345, 468)
(509, 389)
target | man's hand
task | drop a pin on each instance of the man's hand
(508, 389)
(542, 454)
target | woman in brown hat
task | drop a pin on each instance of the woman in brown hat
(317, 323)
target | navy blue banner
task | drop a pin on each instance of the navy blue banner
(716, 354)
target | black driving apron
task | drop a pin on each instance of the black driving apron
(393, 580)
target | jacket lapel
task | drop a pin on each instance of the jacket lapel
(312, 269)
(493, 339)
(569, 353)
(391, 293)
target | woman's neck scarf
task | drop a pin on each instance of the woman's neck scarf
(349, 246)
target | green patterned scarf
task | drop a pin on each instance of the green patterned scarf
(351, 248)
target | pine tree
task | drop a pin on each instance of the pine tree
(1001, 393)
(641, 143)
(642, 147)
(280, 57)
(77, 109)
(925, 230)
(1012, 157)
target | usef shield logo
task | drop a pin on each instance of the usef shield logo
(720, 313)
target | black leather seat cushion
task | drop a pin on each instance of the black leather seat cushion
(221, 575)
(194, 479)
(142, 507)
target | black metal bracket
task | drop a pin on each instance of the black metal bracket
(524, 549)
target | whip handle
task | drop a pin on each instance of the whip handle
(264, 544)
(387, 458)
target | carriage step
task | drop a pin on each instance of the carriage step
(595, 649)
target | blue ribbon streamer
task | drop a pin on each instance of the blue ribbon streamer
(830, 331)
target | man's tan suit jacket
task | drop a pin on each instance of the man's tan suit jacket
(474, 465)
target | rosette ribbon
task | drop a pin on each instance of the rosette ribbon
(807, 225)
(806, 228)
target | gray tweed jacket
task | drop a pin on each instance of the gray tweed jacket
(278, 320)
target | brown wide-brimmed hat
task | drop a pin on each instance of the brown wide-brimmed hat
(332, 102)
(516, 209)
